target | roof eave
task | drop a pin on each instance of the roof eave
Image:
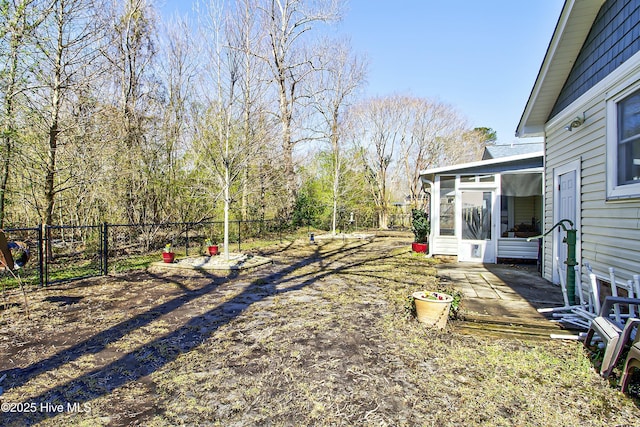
(488, 162)
(572, 28)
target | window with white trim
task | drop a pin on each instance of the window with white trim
(623, 145)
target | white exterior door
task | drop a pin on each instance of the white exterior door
(567, 211)
(567, 195)
(477, 240)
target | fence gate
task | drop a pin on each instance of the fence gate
(73, 252)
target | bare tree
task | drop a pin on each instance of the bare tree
(286, 23)
(139, 166)
(379, 129)
(245, 37)
(335, 87)
(18, 20)
(401, 136)
(226, 130)
(435, 135)
(179, 68)
(67, 43)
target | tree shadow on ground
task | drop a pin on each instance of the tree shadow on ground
(154, 355)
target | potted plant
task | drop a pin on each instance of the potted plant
(421, 228)
(432, 308)
(167, 254)
(211, 247)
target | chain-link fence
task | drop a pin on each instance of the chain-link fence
(60, 253)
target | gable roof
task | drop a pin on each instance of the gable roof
(506, 150)
(503, 164)
(574, 23)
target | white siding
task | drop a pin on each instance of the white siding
(517, 248)
(445, 245)
(609, 233)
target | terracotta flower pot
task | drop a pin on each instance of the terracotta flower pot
(420, 247)
(432, 308)
(213, 250)
(168, 257)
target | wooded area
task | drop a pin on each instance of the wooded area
(250, 110)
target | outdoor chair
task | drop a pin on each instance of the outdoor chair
(9, 264)
(632, 362)
(615, 331)
(6, 259)
(627, 286)
(582, 313)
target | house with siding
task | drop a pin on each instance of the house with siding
(585, 103)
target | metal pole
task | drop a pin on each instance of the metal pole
(44, 251)
(186, 233)
(41, 263)
(571, 263)
(105, 249)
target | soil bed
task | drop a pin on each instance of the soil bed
(317, 337)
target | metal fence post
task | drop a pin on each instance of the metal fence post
(105, 249)
(186, 234)
(239, 238)
(40, 258)
(44, 257)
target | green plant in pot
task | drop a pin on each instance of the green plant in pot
(434, 308)
(167, 254)
(212, 247)
(421, 227)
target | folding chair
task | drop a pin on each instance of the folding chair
(632, 362)
(586, 310)
(615, 332)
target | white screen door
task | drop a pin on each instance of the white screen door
(477, 240)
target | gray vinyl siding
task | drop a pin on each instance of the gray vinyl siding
(613, 39)
(609, 232)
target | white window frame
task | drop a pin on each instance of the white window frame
(615, 191)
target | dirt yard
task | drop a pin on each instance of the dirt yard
(319, 337)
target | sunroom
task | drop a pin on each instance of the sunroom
(485, 211)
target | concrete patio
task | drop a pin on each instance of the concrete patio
(502, 299)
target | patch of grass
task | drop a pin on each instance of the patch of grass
(83, 268)
(323, 341)
(132, 263)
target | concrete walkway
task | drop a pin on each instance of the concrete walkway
(502, 299)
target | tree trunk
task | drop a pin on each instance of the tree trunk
(383, 219)
(4, 178)
(49, 188)
(8, 128)
(336, 174)
(227, 202)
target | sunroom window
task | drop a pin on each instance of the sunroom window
(447, 205)
(521, 205)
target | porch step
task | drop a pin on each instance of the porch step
(510, 327)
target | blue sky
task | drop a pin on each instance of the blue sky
(481, 57)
